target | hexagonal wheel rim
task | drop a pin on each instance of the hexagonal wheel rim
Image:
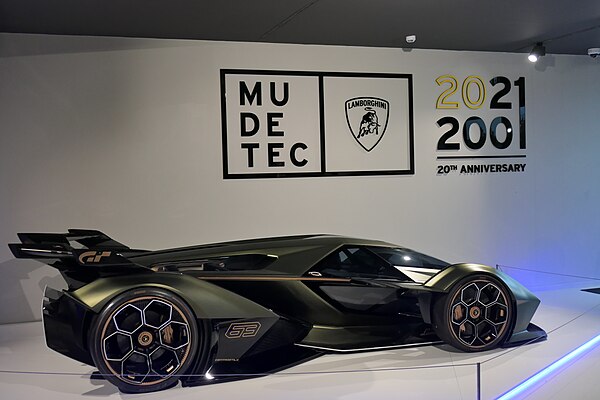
(479, 314)
(146, 340)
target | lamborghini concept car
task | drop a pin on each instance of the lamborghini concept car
(209, 313)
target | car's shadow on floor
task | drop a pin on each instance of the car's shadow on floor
(102, 386)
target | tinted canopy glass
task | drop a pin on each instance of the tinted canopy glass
(408, 258)
(350, 261)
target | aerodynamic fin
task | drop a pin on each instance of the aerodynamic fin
(84, 254)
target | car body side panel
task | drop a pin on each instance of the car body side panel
(296, 255)
(294, 299)
(341, 315)
(208, 301)
(66, 325)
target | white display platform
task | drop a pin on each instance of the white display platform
(571, 317)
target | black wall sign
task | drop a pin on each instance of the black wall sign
(281, 124)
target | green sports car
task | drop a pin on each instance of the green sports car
(223, 311)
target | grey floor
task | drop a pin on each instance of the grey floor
(29, 370)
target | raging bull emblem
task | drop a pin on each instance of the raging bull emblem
(369, 123)
(367, 118)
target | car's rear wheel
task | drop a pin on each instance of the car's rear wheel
(475, 315)
(144, 340)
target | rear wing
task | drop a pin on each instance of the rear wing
(77, 251)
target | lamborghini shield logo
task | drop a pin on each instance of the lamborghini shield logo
(367, 119)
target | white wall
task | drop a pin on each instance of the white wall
(124, 135)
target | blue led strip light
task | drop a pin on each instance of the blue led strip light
(533, 380)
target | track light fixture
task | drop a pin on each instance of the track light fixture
(538, 51)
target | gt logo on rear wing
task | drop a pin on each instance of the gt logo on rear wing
(239, 330)
(90, 257)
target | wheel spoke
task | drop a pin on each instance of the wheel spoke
(145, 340)
(479, 313)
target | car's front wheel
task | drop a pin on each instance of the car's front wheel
(144, 340)
(475, 315)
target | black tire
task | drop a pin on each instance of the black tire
(476, 315)
(144, 340)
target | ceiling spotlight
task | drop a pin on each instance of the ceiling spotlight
(538, 51)
(594, 52)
